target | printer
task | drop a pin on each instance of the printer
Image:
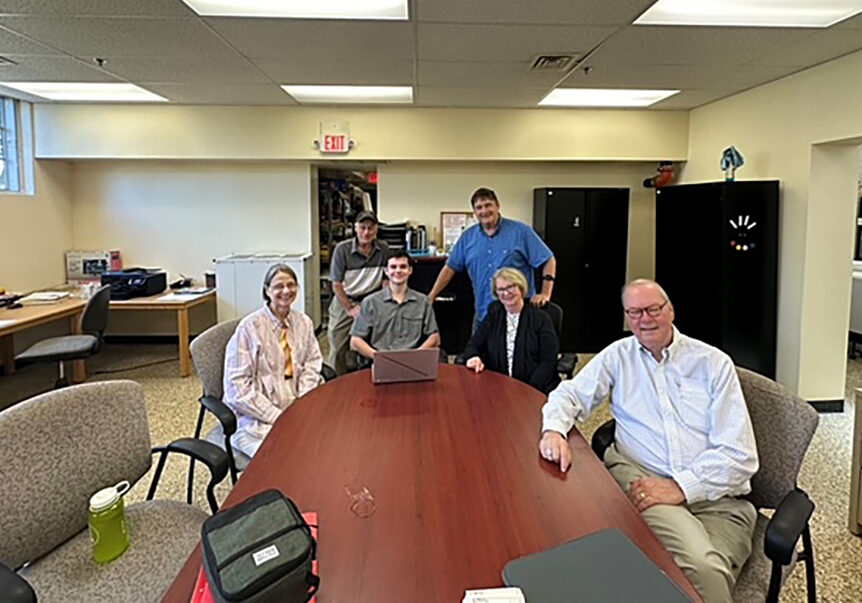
(135, 282)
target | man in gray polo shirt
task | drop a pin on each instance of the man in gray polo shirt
(356, 272)
(396, 318)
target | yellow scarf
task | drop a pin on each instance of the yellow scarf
(288, 356)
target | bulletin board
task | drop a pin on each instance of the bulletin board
(452, 224)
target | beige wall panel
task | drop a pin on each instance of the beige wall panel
(197, 132)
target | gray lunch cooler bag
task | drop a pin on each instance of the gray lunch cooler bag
(259, 551)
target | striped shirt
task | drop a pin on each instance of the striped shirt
(358, 274)
(255, 387)
(683, 417)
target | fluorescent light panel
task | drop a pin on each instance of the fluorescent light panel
(350, 94)
(750, 13)
(87, 92)
(302, 9)
(598, 97)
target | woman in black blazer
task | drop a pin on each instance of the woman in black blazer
(515, 338)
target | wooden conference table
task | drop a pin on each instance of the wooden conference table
(459, 486)
(19, 319)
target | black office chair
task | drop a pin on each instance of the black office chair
(567, 361)
(783, 427)
(94, 321)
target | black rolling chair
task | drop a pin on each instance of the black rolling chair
(568, 361)
(783, 427)
(94, 321)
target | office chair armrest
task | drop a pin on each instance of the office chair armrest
(15, 589)
(603, 437)
(208, 453)
(786, 526)
(221, 411)
(327, 372)
(566, 363)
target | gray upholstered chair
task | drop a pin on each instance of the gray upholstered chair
(94, 321)
(783, 427)
(58, 449)
(208, 352)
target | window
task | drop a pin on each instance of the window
(16, 147)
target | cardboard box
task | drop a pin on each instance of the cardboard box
(88, 265)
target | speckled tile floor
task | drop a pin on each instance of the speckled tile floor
(172, 409)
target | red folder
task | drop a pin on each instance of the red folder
(202, 594)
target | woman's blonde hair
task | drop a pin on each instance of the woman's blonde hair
(510, 275)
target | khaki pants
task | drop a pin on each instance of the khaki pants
(338, 331)
(709, 540)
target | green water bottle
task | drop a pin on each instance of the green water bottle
(108, 529)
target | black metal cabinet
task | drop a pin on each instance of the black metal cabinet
(587, 229)
(717, 258)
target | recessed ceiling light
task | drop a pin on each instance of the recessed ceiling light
(350, 94)
(302, 9)
(87, 92)
(750, 13)
(597, 97)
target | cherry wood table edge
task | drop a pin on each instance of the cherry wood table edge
(588, 481)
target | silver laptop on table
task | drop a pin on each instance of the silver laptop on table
(405, 365)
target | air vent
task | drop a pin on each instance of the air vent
(552, 62)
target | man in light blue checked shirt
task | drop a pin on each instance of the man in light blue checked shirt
(684, 448)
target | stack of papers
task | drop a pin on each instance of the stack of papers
(43, 297)
(494, 595)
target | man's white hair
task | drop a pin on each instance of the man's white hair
(640, 282)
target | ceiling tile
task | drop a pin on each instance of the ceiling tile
(288, 39)
(336, 71)
(12, 43)
(153, 8)
(605, 73)
(697, 45)
(820, 47)
(225, 70)
(222, 94)
(549, 12)
(31, 68)
(439, 96)
(457, 73)
(504, 42)
(114, 36)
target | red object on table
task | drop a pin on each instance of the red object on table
(202, 593)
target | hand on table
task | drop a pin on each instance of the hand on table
(648, 491)
(540, 299)
(555, 448)
(476, 364)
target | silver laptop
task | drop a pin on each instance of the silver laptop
(405, 365)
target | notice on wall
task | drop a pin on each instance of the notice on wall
(452, 224)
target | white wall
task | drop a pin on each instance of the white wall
(181, 215)
(35, 231)
(419, 191)
(775, 127)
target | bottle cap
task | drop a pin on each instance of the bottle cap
(106, 497)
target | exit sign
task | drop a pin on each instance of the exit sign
(334, 137)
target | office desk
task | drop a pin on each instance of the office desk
(179, 303)
(459, 485)
(12, 321)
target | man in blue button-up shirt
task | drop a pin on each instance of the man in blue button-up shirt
(684, 448)
(497, 242)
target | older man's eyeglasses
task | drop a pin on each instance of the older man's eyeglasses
(653, 311)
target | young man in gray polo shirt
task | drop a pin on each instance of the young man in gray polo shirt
(356, 272)
(396, 318)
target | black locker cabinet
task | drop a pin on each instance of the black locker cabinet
(717, 258)
(587, 229)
